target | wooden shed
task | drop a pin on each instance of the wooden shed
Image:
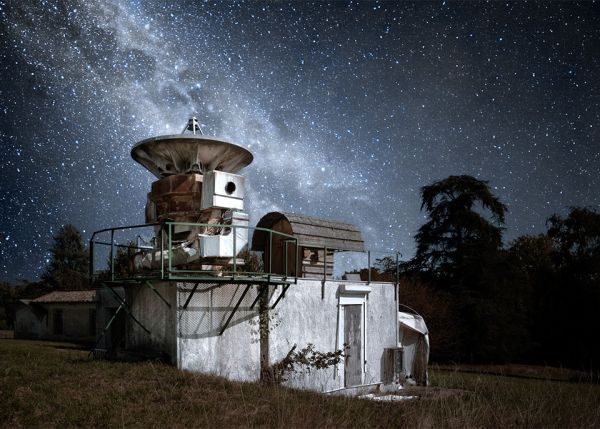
(317, 238)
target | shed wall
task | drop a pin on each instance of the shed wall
(308, 313)
(235, 354)
(156, 316)
(75, 322)
(306, 316)
(27, 323)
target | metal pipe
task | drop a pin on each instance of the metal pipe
(124, 228)
(91, 262)
(170, 238)
(286, 260)
(324, 264)
(234, 232)
(297, 250)
(369, 264)
(397, 286)
(112, 255)
(189, 298)
(270, 255)
(162, 251)
(234, 310)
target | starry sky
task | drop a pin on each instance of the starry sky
(348, 107)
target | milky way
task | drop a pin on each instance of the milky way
(348, 108)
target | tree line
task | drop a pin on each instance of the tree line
(534, 300)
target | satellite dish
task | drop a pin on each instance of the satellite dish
(189, 153)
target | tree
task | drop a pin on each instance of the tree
(457, 230)
(577, 261)
(577, 239)
(68, 268)
(8, 297)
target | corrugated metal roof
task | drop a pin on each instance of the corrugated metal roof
(67, 296)
(312, 232)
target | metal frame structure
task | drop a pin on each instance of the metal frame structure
(167, 272)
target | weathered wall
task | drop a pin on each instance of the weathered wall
(309, 313)
(106, 306)
(235, 354)
(75, 324)
(155, 315)
(27, 323)
(303, 317)
(382, 329)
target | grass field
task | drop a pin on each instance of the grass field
(56, 385)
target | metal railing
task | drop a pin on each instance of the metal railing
(167, 270)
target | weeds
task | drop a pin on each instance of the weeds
(54, 385)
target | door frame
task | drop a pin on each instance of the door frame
(352, 299)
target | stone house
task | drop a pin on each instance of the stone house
(58, 316)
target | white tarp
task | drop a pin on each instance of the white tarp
(414, 340)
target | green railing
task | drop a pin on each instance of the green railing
(165, 269)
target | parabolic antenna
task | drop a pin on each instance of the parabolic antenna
(189, 153)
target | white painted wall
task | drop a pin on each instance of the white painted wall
(309, 313)
(235, 354)
(307, 316)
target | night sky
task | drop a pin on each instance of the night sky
(349, 108)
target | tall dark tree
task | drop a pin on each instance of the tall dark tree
(68, 268)
(533, 289)
(577, 238)
(465, 220)
(577, 299)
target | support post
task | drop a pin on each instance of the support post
(369, 264)
(282, 295)
(285, 273)
(234, 310)
(91, 262)
(261, 290)
(397, 285)
(270, 255)
(189, 298)
(112, 255)
(106, 328)
(234, 232)
(147, 283)
(296, 263)
(162, 251)
(170, 238)
(324, 273)
(126, 308)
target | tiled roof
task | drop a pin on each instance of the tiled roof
(67, 296)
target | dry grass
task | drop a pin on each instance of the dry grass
(524, 371)
(55, 385)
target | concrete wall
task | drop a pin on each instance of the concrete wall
(75, 325)
(27, 323)
(310, 312)
(235, 354)
(158, 317)
(106, 306)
